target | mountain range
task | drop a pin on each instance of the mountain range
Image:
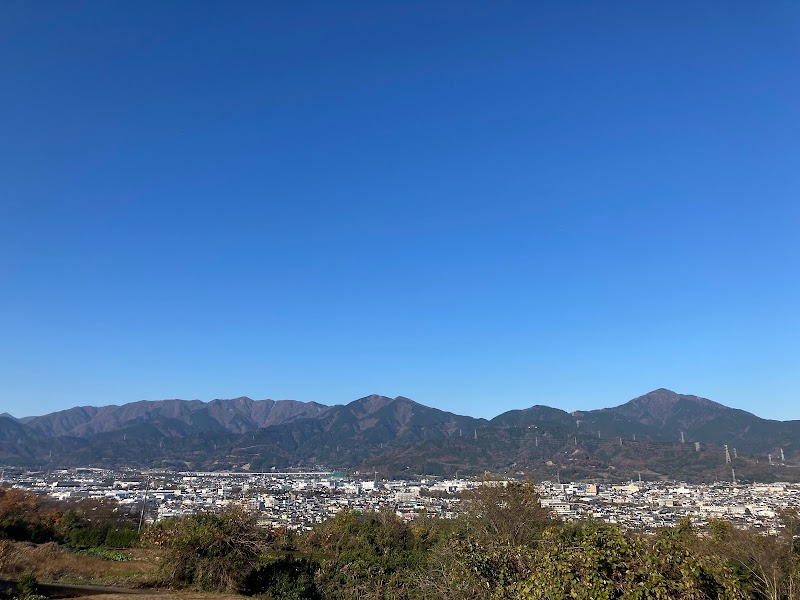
(654, 434)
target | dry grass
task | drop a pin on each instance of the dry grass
(50, 562)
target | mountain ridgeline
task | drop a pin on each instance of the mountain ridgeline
(653, 435)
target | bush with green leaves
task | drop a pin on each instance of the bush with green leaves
(27, 588)
(600, 562)
(283, 577)
(769, 565)
(366, 555)
(78, 532)
(508, 512)
(105, 554)
(210, 551)
(121, 538)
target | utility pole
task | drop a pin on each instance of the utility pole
(144, 502)
(727, 455)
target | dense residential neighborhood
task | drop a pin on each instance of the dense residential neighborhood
(298, 500)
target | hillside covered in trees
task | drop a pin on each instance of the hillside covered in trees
(662, 435)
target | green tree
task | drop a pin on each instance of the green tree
(506, 512)
(769, 564)
(598, 562)
(366, 555)
(283, 578)
(210, 551)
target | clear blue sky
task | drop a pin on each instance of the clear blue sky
(481, 206)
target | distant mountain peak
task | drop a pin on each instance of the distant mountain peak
(659, 406)
(404, 399)
(238, 399)
(369, 404)
(668, 397)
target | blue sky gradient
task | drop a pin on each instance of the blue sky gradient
(481, 206)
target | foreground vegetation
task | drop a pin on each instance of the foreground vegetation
(503, 547)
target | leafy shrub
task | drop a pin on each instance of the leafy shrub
(210, 551)
(365, 555)
(85, 537)
(26, 588)
(77, 532)
(591, 562)
(285, 578)
(505, 512)
(122, 538)
(26, 584)
(105, 554)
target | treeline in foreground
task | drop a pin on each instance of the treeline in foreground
(504, 546)
(78, 524)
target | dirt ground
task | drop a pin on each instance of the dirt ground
(163, 595)
(50, 562)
